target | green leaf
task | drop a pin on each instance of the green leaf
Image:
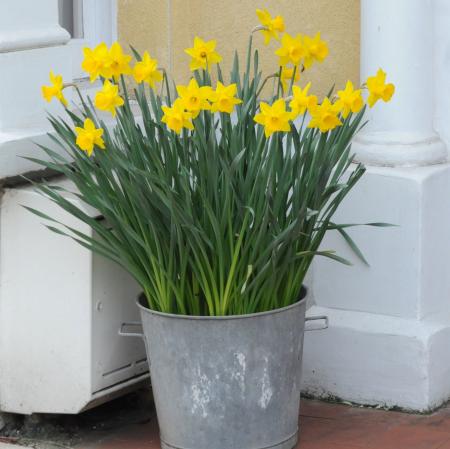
(218, 220)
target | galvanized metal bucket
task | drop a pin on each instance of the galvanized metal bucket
(228, 382)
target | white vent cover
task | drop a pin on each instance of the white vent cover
(60, 311)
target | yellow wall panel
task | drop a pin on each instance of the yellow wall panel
(166, 27)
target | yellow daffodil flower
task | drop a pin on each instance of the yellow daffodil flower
(301, 101)
(194, 97)
(272, 26)
(274, 117)
(325, 116)
(89, 136)
(315, 50)
(291, 50)
(378, 89)
(349, 100)
(147, 71)
(119, 62)
(286, 76)
(108, 99)
(203, 54)
(55, 89)
(176, 117)
(224, 98)
(96, 62)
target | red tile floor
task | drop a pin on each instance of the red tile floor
(331, 426)
(323, 426)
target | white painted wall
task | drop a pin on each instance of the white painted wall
(389, 324)
(60, 306)
(31, 44)
(389, 336)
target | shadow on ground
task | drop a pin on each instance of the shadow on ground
(47, 431)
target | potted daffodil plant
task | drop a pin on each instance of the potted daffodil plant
(216, 195)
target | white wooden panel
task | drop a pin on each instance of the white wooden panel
(60, 312)
(114, 358)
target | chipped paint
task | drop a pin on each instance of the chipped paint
(238, 373)
(266, 387)
(201, 394)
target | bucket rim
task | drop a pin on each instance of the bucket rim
(145, 309)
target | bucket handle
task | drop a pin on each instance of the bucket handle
(314, 318)
(124, 326)
(134, 324)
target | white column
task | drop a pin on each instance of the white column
(389, 323)
(398, 37)
(441, 69)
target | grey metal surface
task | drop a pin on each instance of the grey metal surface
(226, 382)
